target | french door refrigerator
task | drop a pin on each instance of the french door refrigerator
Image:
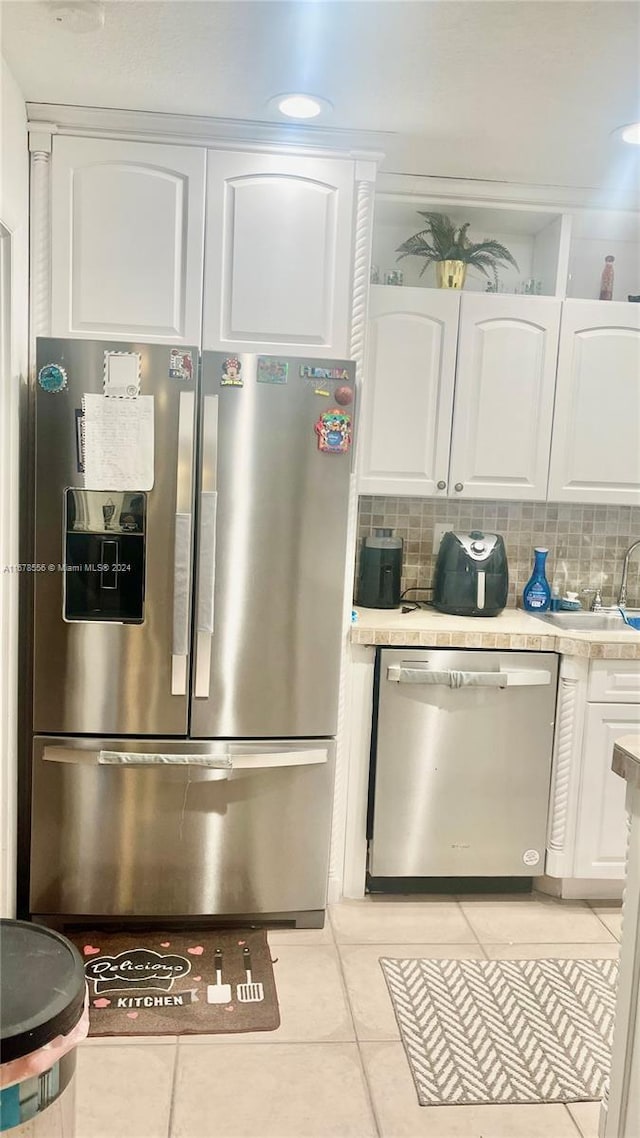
(190, 528)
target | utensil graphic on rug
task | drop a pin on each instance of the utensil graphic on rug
(251, 992)
(218, 993)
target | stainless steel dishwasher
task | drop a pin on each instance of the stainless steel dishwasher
(461, 761)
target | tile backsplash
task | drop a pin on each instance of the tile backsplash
(586, 543)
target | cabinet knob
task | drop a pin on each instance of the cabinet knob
(458, 486)
(441, 485)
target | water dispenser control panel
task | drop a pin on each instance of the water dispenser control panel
(105, 540)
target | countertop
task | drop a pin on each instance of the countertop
(512, 629)
(626, 758)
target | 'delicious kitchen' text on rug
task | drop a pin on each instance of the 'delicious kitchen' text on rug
(177, 983)
(505, 1031)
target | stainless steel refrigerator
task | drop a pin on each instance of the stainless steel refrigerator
(187, 629)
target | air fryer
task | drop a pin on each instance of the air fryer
(472, 575)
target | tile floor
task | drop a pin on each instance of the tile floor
(335, 1068)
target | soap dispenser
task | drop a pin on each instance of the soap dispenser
(537, 592)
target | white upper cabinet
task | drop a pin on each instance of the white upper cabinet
(278, 254)
(127, 240)
(408, 390)
(503, 409)
(596, 430)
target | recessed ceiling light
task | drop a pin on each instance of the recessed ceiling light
(631, 133)
(295, 105)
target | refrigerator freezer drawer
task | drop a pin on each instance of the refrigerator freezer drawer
(462, 764)
(169, 828)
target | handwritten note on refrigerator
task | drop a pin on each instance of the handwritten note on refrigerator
(118, 443)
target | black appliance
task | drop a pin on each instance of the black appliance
(472, 575)
(380, 571)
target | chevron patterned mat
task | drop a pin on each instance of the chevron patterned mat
(505, 1031)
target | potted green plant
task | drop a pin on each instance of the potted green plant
(448, 247)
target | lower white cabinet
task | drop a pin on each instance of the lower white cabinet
(598, 702)
(601, 831)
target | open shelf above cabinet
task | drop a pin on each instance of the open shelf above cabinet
(562, 249)
(535, 238)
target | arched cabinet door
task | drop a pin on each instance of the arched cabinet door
(127, 240)
(408, 391)
(278, 254)
(595, 456)
(503, 410)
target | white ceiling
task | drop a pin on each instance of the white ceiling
(516, 90)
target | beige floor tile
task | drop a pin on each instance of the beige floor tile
(399, 1116)
(568, 951)
(610, 915)
(429, 921)
(124, 1092)
(532, 918)
(313, 1005)
(301, 936)
(131, 1041)
(366, 987)
(304, 1090)
(586, 1115)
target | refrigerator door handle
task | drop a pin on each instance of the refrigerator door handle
(206, 547)
(182, 545)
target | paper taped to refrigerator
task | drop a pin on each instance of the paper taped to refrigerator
(118, 443)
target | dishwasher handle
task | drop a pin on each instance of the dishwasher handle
(454, 678)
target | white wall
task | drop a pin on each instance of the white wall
(14, 217)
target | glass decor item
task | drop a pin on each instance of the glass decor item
(374, 276)
(394, 278)
(537, 591)
(606, 280)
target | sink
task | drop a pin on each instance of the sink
(586, 621)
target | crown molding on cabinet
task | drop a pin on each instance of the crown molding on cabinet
(516, 195)
(194, 130)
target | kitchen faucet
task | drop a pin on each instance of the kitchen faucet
(622, 595)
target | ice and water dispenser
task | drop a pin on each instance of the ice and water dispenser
(105, 539)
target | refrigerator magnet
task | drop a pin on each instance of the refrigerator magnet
(180, 364)
(231, 369)
(121, 379)
(333, 429)
(52, 378)
(343, 395)
(272, 371)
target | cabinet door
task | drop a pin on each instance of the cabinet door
(596, 428)
(505, 381)
(278, 254)
(601, 830)
(408, 390)
(127, 240)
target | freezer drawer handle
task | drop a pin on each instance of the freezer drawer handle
(451, 678)
(222, 763)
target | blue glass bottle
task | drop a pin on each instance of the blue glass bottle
(537, 592)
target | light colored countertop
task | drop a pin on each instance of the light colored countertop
(512, 629)
(626, 758)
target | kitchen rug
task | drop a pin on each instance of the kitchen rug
(504, 1031)
(176, 983)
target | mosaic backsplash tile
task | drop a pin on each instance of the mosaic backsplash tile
(586, 543)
